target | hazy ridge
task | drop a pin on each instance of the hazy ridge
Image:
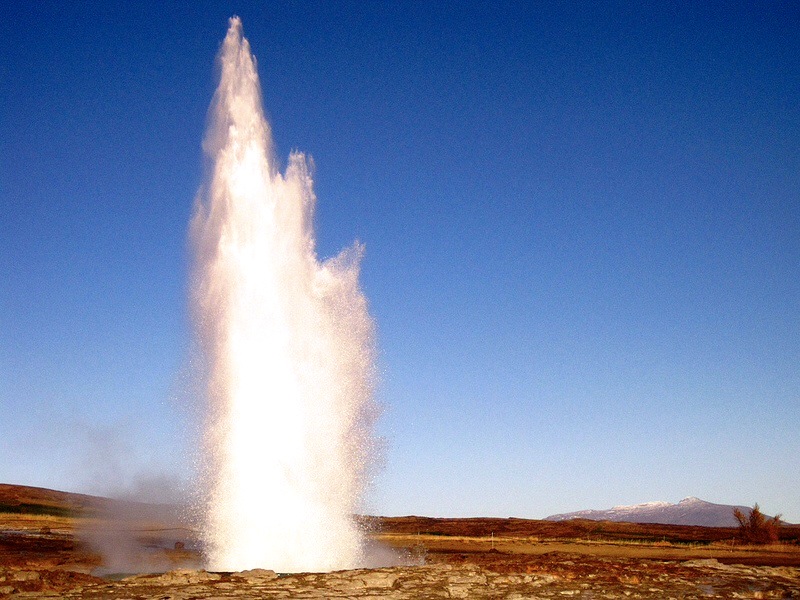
(689, 511)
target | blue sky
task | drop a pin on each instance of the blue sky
(582, 225)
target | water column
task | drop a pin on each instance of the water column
(287, 347)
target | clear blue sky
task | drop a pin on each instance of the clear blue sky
(582, 224)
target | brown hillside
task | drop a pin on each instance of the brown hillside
(572, 529)
(28, 499)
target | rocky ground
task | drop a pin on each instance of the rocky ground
(553, 577)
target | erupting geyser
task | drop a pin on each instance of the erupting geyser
(287, 346)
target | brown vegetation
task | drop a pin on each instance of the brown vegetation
(756, 528)
(575, 529)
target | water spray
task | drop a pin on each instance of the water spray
(287, 349)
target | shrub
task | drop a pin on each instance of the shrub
(756, 528)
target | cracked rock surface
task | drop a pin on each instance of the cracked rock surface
(567, 579)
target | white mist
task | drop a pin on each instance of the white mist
(287, 346)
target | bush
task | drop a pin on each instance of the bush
(756, 528)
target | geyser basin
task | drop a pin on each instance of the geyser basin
(287, 350)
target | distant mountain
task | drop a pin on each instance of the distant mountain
(689, 511)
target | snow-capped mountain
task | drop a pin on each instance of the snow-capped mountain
(689, 511)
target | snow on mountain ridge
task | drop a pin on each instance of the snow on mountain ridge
(689, 511)
(654, 504)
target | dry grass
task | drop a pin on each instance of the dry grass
(27, 522)
(660, 550)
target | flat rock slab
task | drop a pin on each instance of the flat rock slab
(618, 579)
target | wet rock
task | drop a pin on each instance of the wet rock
(257, 575)
(379, 579)
(710, 563)
(178, 577)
